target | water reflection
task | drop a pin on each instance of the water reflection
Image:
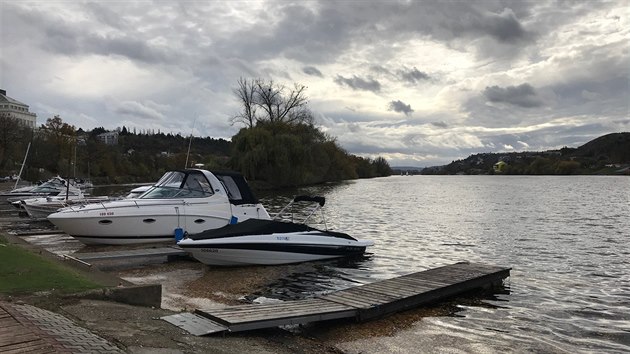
(565, 237)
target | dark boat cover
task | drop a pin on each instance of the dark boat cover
(261, 227)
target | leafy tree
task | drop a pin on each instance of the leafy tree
(567, 167)
(382, 167)
(63, 138)
(9, 133)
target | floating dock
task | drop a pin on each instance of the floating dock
(362, 303)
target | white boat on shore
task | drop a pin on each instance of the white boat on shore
(271, 242)
(189, 201)
(55, 186)
(40, 208)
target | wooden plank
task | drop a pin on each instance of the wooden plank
(361, 295)
(397, 291)
(240, 317)
(16, 338)
(297, 312)
(274, 307)
(38, 346)
(405, 287)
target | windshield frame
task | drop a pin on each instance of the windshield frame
(180, 184)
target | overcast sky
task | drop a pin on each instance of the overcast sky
(420, 83)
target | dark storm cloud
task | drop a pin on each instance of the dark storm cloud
(319, 34)
(128, 47)
(439, 124)
(400, 107)
(522, 95)
(358, 83)
(503, 27)
(313, 71)
(413, 76)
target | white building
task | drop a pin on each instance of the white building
(17, 109)
(109, 138)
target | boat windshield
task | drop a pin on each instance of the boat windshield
(177, 184)
(50, 186)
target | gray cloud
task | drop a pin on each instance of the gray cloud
(313, 71)
(413, 76)
(58, 58)
(522, 95)
(138, 110)
(400, 107)
(358, 83)
(503, 27)
(439, 124)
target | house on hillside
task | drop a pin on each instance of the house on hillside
(108, 138)
(499, 167)
(17, 109)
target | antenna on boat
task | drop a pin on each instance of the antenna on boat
(190, 142)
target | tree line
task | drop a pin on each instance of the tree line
(277, 146)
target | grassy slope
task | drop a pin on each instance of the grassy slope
(23, 272)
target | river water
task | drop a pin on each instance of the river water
(567, 240)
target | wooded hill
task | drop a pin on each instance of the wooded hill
(272, 155)
(608, 154)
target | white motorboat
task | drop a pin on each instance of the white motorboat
(270, 242)
(40, 208)
(187, 201)
(52, 187)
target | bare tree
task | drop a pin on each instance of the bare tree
(246, 93)
(267, 101)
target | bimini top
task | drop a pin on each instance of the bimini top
(251, 227)
(237, 188)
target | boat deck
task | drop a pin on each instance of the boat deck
(361, 303)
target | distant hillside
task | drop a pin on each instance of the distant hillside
(613, 148)
(401, 170)
(608, 154)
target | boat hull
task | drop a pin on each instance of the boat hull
(135, 221)
(272, 249)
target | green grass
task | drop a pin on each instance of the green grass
(24, 272)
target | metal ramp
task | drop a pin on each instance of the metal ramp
(194, 324)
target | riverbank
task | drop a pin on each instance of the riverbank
(139, 329)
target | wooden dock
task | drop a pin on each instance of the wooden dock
(361, 303)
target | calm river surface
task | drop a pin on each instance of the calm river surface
(566, 239)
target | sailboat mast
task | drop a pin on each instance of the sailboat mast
(190, 143)
(23, 163)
